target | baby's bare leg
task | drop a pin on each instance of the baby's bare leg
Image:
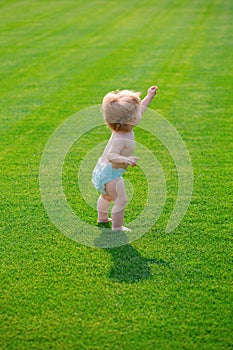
(116, 191)
(103, 207)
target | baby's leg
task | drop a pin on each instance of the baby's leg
(116, 191)
(103, 207)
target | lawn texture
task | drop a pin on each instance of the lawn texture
(165, 290)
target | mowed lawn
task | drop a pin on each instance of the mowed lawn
(164, 290)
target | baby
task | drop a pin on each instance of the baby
(122, 111)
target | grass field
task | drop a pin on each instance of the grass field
(165, 290)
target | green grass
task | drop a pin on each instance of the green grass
(163, 291)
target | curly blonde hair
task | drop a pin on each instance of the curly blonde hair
(121, 109)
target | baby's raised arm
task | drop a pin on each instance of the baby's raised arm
(149, 97)
(116, 153)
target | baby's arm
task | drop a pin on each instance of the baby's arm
(115, 153)
(147, 100)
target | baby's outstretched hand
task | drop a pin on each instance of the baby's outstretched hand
(152, 91)
(132, 161)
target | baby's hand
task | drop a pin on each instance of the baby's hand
(152, 91)
(132, 161)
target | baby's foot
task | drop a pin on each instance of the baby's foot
(104, 222)
(122, 228)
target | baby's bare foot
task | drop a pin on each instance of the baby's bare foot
(122, 228)
(103, 222)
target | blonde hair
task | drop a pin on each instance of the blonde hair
(121, 109)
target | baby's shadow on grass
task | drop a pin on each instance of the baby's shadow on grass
(129, 266)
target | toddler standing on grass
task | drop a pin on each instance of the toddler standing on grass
(122, 111)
